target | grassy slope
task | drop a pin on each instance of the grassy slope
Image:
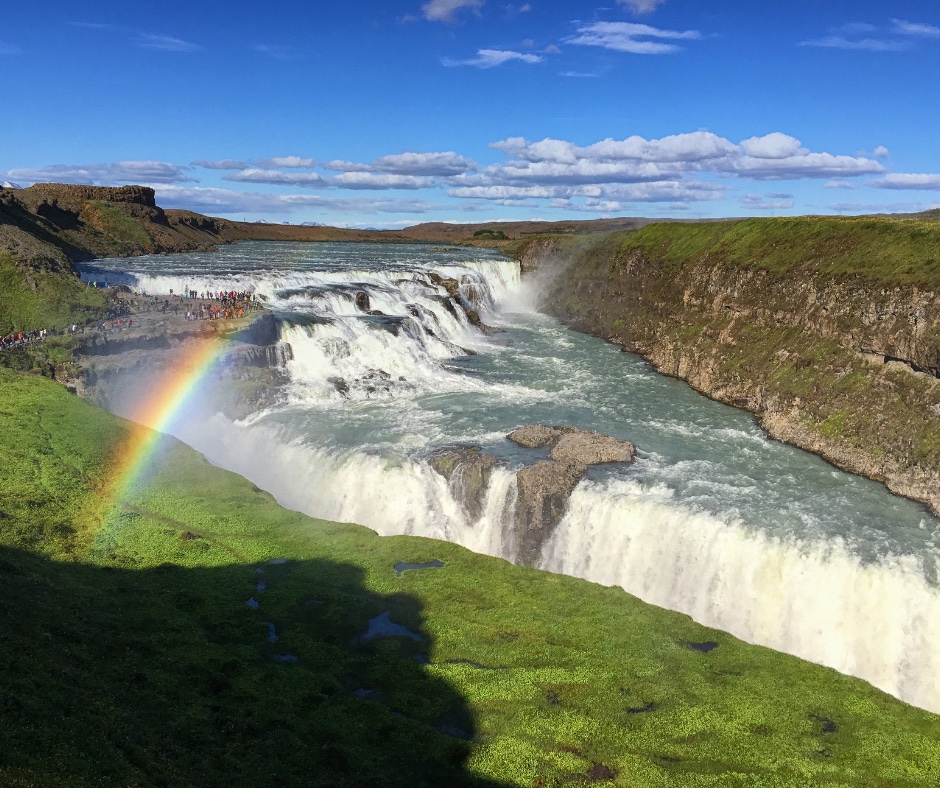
(42, 299)
(129, 654)
(886, 250)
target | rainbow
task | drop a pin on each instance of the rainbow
(156, 416)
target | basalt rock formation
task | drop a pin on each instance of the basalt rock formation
(542, 489)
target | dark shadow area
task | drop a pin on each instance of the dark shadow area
(168, 676)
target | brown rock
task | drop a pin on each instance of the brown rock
(591, 448)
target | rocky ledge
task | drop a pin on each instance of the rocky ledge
(542, 489)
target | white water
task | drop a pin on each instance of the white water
(714, 520)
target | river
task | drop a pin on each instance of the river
(714, 519)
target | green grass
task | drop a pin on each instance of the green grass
(129, 655)
(32, 299)
(128, 235)
(886, 250)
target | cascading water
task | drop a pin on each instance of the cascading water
(714, 520)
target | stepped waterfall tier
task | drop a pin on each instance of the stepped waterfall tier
(399, 354)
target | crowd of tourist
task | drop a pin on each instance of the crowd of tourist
(221, 305)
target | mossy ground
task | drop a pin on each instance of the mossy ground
(129, 654)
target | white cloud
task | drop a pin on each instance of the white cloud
(864, 37)
(378, 180)
(276, 177)
(881, 152)
(226, 201)
(901, 27)
(756, 202)
(165, 43)
(488, 58)
(221, 164)
(904, 180)
(637, 160)
(838, 185)
(865, 44)
(630, 37)
(446, 10)
(642, 6)
(443, 164)
(772, 146)
(288, 161)
(116, 174)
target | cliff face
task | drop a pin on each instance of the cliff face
(46, 228)
(841, 365)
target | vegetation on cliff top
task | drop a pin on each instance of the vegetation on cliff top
(893, 251)
(34, 298)
(203, 632)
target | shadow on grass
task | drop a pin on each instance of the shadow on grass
(243, 674)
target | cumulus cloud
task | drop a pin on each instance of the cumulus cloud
(632, 38)
(488, 58)
(772, 146)
(221, 164)
(881, 152)
(446, 10)
(165, 43)
(676, 169)
(641, 6)
(289, 162)
(116, 174)
(276, 177)
(906, 180)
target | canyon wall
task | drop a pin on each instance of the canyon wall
(844, 364)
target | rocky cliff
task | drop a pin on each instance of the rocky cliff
(834, 342)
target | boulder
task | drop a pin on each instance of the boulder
(591, 448)
(535, 436)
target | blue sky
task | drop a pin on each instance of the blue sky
(391, 112)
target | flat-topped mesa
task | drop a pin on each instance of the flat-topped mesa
(138, 195)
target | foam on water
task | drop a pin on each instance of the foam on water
(714, 520)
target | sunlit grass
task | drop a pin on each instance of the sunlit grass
(130, 655)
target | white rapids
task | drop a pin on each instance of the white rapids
(714, 520)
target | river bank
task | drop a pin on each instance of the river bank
(834, 364)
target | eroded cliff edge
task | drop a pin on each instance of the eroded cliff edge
(827, 329)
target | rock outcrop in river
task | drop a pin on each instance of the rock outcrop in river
(542, 489)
